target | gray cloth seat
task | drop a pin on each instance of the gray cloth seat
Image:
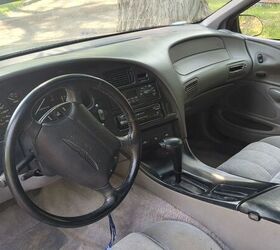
(171, 235)
(259, 161)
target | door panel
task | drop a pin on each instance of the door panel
(266, 61)
(252, 110)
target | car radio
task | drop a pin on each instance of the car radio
(139, 95)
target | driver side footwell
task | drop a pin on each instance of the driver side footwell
(139, 210)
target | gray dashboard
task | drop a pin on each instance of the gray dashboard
(184, 61)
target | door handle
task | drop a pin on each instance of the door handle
(261, 74)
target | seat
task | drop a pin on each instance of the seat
(171, 235)
(259, 161)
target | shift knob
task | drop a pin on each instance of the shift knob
(174, 147)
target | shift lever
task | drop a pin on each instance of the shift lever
(174, 146)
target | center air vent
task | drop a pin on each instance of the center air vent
(120, 77)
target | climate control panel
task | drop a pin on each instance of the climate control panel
(143, 115)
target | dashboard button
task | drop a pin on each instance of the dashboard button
(122, 121)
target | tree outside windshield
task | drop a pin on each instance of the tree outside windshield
(28, 24)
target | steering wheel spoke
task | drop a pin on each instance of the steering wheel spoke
(108, 192)
(125, 142)
(24, 162)
(74, 94)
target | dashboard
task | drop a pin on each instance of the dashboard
(143, 90)
(158, 71)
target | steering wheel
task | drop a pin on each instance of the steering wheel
(76, 146)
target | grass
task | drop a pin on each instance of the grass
(269, 15)
(5, 8)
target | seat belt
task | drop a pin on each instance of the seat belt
(113, 232)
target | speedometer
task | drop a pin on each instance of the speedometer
(48, 102)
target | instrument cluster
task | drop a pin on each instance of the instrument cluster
(45, 108)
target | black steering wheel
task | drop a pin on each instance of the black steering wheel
(76, 146)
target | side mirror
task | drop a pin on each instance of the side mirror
(250, 25)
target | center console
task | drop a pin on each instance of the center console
(166, 157)
(151, 105)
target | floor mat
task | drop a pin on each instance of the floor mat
(139, 209)
(207, 143)
(210, 153)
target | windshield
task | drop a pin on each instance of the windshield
(27, 24)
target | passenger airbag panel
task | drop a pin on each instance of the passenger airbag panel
(190, 64)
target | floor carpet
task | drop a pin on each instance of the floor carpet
(139, 209)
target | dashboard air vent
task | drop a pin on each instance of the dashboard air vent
(120, 77)
(237, 69)
(191, 87)
(143, 77)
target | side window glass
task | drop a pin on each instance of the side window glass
(262, 20)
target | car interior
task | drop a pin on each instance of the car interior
(194, 107)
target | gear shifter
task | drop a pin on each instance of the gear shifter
(173, 146)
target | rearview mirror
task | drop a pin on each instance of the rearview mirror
(250, 25)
